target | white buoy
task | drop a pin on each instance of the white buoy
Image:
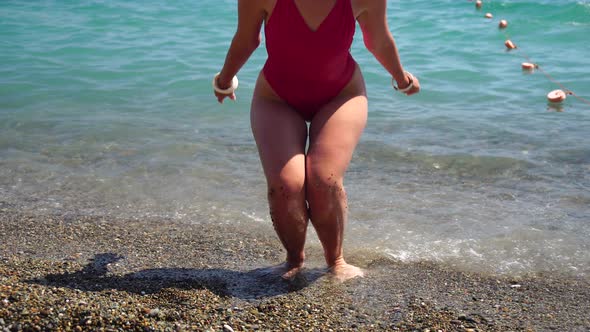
(509, 44)
(556, 96)
(528, 66)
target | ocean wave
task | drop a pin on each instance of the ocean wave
(461, 165)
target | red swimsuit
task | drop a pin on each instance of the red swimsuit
(308, 68)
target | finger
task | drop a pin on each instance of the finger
(232, 96)
(415, 88)
(412, 91)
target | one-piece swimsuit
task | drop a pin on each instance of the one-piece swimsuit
(307, 68)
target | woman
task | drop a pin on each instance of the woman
(309, 76)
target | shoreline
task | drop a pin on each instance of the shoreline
(93, 273)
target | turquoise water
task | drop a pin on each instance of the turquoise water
(106, 108)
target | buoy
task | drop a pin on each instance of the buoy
(503, 24)
(528, 66)
(478, 4)
(556, 96)
(489, 15)
(509, 44)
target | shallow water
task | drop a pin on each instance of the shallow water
(106, 109)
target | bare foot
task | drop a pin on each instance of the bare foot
(286, 270)
(291, 271)
(343, 271)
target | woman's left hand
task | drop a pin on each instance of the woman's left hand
(409, 79)
(415, 88)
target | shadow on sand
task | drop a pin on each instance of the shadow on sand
(249, 285)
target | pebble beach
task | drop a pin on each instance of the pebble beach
(130, 200)
(89, 273)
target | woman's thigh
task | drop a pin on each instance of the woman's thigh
(280, 135)
(334, 134)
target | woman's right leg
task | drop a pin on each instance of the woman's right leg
(281, 135)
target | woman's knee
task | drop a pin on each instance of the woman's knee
(286, 194)
(324, 187)
(285, 186)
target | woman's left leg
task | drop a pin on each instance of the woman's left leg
(334, 134)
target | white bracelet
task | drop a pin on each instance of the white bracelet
(409, 87)
(230, 90)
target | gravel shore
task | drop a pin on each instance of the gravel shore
(78, 273)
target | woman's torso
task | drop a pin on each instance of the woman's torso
(307, 22)
(314, 11)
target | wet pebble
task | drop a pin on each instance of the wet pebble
(31, 286)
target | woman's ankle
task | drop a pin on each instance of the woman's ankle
(335, 261)
(295, 260)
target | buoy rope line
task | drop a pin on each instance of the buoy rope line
(510, 45)
(549, 77)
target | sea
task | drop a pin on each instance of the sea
(107, 109)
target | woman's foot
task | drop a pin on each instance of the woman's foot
(342, 271)
(286, 270)
(291, 272)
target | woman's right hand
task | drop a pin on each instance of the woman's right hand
(222, 96)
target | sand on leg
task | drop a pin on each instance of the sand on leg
(281, 135)
(334, 134)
